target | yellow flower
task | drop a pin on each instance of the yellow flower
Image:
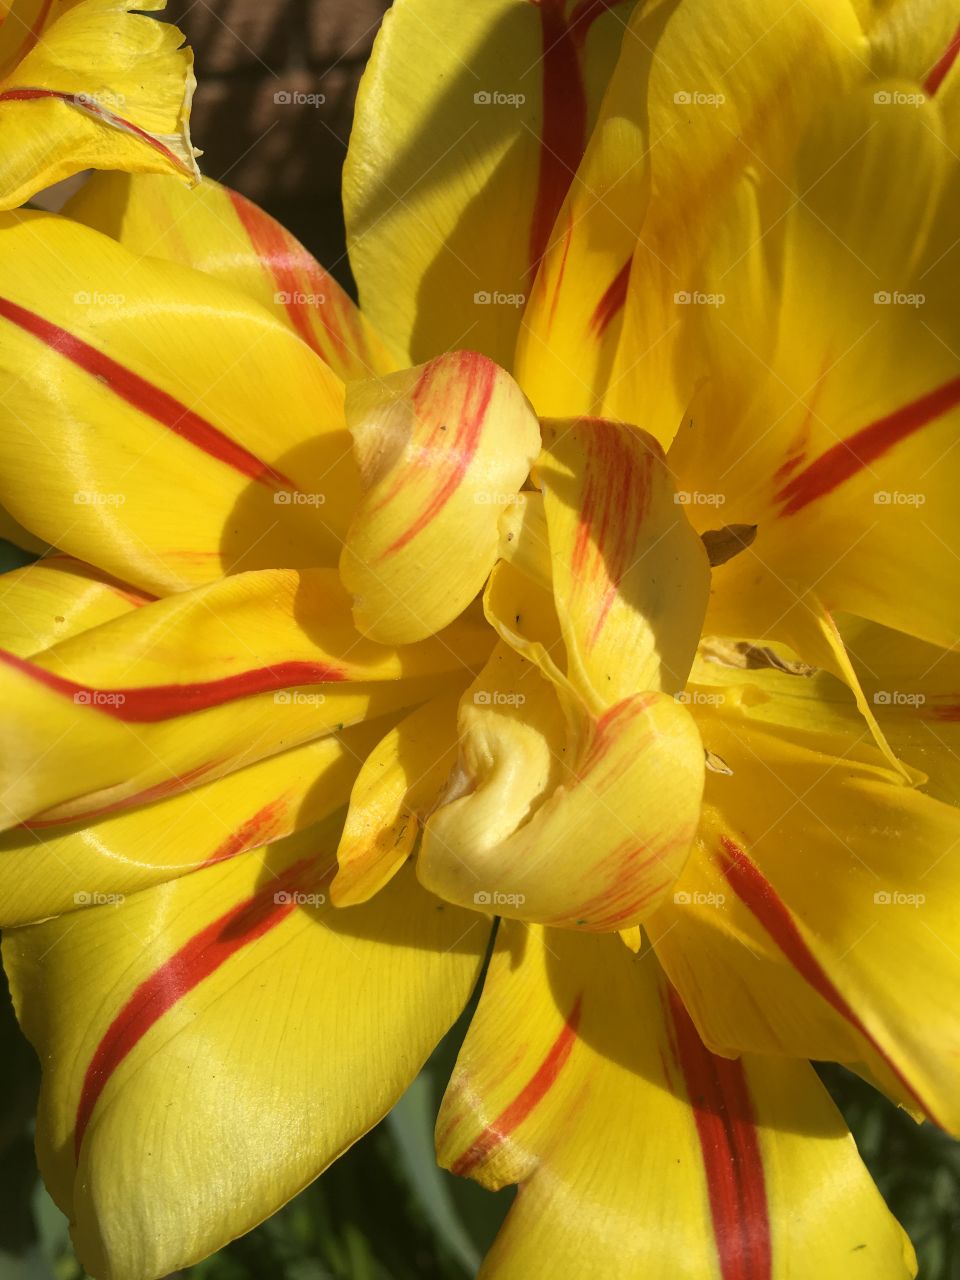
(87, 84)
(253, 980)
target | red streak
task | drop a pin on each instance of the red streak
(847, 457)
(532, 1092)
(564, 129)
(148, 703)
(760, 897)
(256, 831)
(726, 1127)
(88, 105)
(144, 396)
(185, 969)
(295, 271)
(475, 380)
(612, 301)
(159, 791)
(938, 72)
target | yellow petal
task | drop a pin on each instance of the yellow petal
(56, 598)
(815, 917)
(639, 1153)
(831, 413)
(202, 436)
(222, 233)
(400, 780)
(55, 866)
(469, 126)
(699, 96)
(212, 1044)
(13, 532)
(441, 450)
(583, 826)
(91, 85)
(630, 576)
(201, 683)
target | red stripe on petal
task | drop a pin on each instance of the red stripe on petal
(938, 72)
(159, 791)
(149, 703)
(564, 128)
(181, 973)
(299, 277)
(730, 1146)
(761, 899)
(143, 396)
(529, 1096)
(88, 104)
(847, 457)
(476, 379)
(612, 301)
(259, 829)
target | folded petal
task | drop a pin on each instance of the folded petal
(57, 865)
(441, 450)
(638, 1151)
(212, 1044)
(201, 437)
(584, 825)
(469, 126)
(56, 598)
(829, 420)
(91, 85)
(199, 684)
(630, 575)
(222, 233)
(399, 782)
(816, 915)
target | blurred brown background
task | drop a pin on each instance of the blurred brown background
(276, 86)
